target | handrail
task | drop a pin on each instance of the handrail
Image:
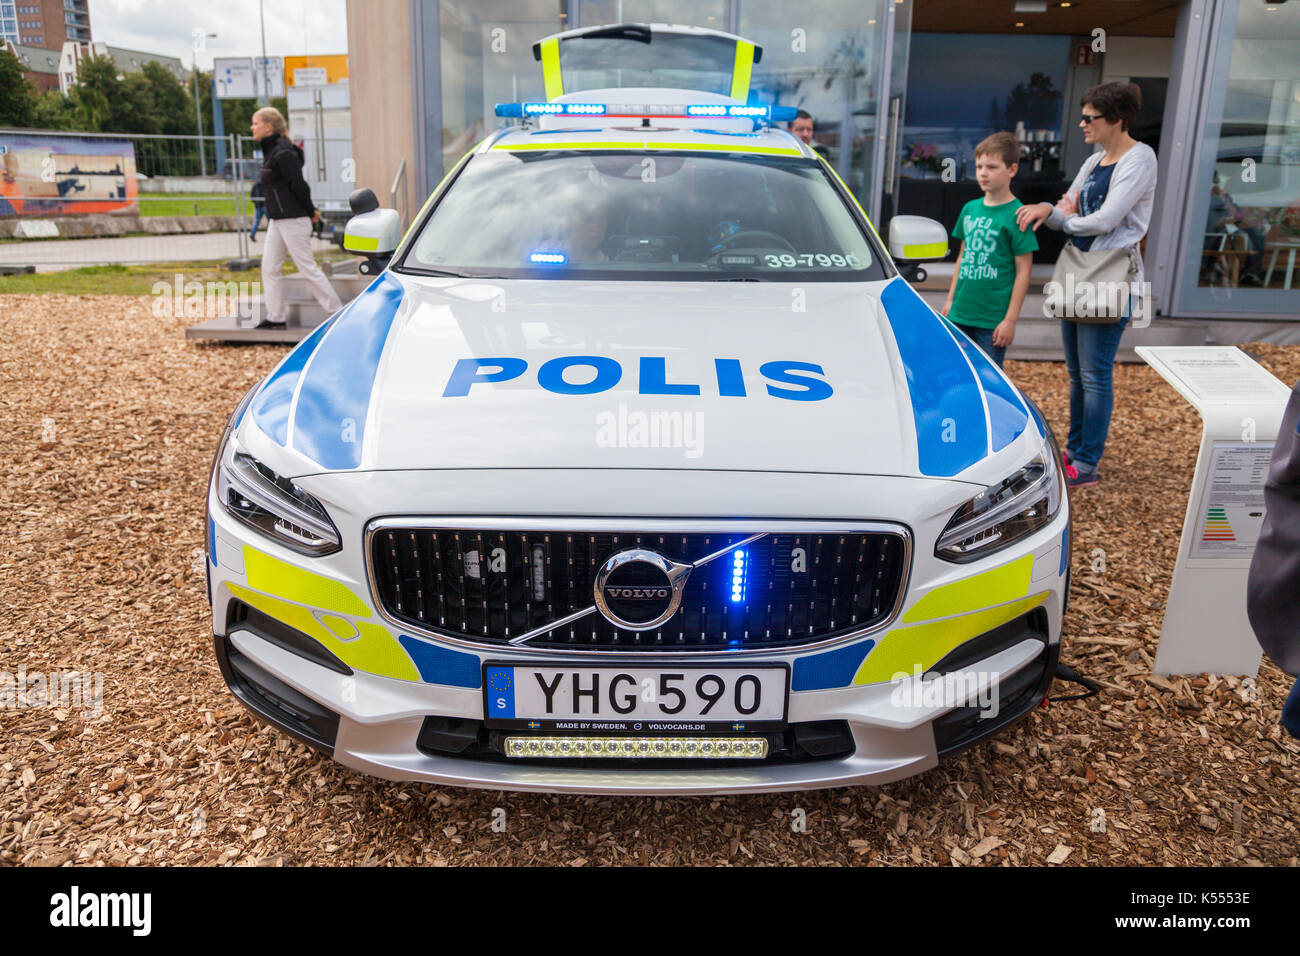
(400, 178)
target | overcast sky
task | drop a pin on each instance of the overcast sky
(293, 27)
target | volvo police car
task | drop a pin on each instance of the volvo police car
(638, 468)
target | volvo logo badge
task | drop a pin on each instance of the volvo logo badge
(638, 590)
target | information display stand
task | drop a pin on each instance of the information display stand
(1241, 405)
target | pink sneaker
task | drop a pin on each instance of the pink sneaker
(1074, 479)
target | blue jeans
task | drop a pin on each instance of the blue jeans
(1090, 360)
(259, 210)
(1291, 711)
(984, 339)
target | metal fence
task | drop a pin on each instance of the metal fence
(69, 200)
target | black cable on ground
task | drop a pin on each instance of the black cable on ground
(1067, 673)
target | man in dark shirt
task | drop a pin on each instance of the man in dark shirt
(1273, 588)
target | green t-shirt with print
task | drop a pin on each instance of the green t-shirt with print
(988, 261)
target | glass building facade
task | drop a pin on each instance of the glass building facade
(1240, 238)
(1224, 115)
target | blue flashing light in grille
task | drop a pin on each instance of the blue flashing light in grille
(549, 258)
(739, 572)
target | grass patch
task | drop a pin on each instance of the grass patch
(127, 280)
(192, 204)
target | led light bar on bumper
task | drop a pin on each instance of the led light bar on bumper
(622, 748)
(275, 506)
(1017, 506)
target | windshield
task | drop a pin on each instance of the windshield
(638, 215)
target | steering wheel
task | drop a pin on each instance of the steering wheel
(753, 234)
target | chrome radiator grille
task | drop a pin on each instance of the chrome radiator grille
(492, 586)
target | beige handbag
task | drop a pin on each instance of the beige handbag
(1093, 286)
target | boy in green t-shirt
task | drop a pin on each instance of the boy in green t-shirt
(991, 277)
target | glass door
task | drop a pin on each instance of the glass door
(834, 59)
(1241, 239)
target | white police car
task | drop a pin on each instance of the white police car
(638, 468)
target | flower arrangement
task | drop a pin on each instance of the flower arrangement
(1290, 221)
(923, 156)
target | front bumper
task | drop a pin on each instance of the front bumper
(373, 724)
(370, 718)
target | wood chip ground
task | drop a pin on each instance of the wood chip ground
(111, 416)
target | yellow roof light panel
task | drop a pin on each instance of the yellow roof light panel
(647, 55)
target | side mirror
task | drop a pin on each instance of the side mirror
(371, 232)
(917, 239)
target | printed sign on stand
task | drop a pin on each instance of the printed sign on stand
(1205, 628)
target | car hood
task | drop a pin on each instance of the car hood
(442, 373)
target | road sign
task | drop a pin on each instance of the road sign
(240, 77)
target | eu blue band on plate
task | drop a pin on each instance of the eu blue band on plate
(501, 692)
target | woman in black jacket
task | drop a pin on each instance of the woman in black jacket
(289, 208)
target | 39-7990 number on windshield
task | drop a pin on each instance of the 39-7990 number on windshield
(813, 260)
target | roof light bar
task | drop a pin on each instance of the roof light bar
(623, 748)
(553, 109)
(777, 114)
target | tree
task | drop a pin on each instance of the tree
(17, 93)
(995, 115)
(162, 102)
(98, 96)
(1035, 103)
(53, 110)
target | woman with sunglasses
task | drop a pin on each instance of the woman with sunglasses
(1108, 206)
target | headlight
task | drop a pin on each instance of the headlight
(275, 506)
(1007, 511)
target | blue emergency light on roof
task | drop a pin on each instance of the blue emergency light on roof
(549, 258)
(551, 109)
(770, 113)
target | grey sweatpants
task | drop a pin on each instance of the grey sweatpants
(294, 237)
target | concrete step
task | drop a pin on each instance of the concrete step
(348, 287)
(300, 318)
(229, 328)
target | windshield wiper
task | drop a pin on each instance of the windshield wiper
(435, 272)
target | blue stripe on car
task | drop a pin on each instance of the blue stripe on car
(947, 403)
(1007, 413)
(438, 665)
(831, 669)
(329, 418)
(271, 405)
